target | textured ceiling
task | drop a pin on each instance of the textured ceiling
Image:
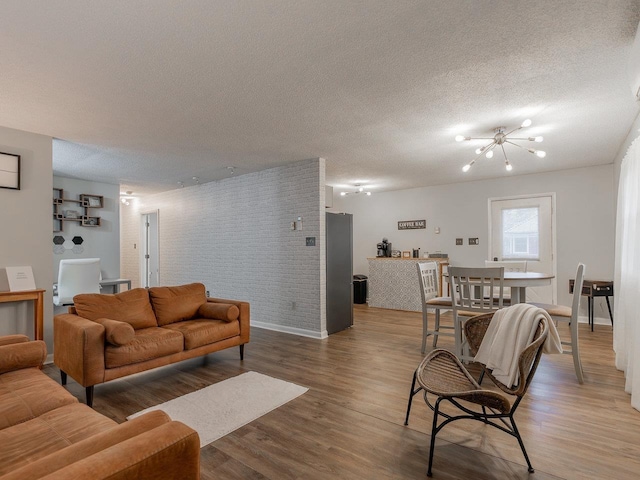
(149, 93)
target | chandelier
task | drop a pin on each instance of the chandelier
(498, 140)
(359, 189)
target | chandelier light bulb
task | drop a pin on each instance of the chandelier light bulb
(342, 194)
(508, 167)
(459, 138)
(541, 153)
(478, 151)
(526, 123)
(489, 154)
(466, 167)
(368, 194)
(361, 189)
(538, 139)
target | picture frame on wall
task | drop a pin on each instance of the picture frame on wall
(9, 171)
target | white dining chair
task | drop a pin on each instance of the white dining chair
(78, 275)
(474, 291)
(428, 279)
(509, 266)
(570, 314)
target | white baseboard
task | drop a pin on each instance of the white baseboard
(596, 320)
(292, 330)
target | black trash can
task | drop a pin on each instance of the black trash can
(359, 289)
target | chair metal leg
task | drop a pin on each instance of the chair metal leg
(524, 451)
(434, 431)
(412, 392)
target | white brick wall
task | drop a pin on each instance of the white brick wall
(234, 236)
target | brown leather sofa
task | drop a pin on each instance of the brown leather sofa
(46, 433)
(104, 337)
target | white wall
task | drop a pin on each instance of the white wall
(585, 220)
(234, 236)
(26, 218)
(101, 242)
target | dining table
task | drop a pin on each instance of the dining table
(519, 281)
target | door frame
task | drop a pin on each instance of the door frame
(143, 243)
(554, 230)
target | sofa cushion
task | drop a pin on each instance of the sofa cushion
(131, 306)
(116, 332)
(174, 304)
(148, 343)
(219, 311)
(204, 331)
(21, 396)
(49, 433)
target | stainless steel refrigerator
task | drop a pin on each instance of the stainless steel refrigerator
(339, 227)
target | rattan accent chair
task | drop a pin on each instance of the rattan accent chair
(428, 278)
(443, 376)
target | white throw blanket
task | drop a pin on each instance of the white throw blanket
(510, 331)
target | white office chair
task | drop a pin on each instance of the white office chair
(76, 276)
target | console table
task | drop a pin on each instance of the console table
(38, 307)
(592, 289)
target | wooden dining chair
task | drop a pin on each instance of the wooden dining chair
(475, 291)
(570, 314)
(428, 279)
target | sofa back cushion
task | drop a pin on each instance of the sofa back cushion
(174, 304)
(131, 306)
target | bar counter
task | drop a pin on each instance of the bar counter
(393, 282)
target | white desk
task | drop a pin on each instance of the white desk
(114, 283)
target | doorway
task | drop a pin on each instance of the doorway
(150, 251)
(523, 228)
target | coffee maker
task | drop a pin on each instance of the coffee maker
(384, 248)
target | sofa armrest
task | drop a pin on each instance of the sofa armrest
(11, 339)
(170, 451)
(89, 446)
(78, 348)
(244, 316)
(22, 355)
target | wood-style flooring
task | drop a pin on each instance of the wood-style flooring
(349, 425)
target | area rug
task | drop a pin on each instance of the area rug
(224, 407)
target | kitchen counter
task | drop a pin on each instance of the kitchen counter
(393, 282)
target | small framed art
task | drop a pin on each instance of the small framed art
(406, 254)
(9, 171)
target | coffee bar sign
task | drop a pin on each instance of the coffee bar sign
(412, 224)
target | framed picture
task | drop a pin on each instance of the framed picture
(406, 254)
(71, 214)
(9, 171)
(94, 201)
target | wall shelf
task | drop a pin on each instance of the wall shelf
(85, 202)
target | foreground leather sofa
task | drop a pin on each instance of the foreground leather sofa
(105, 337)
(46, 433)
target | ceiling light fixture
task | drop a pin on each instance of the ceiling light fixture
(125, 199)
(498, 140)
(359, 189)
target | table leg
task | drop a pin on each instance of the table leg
(609, 307)
(590, 312)
(38, 313)
(518, 295)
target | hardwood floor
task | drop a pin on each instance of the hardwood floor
(349, 425)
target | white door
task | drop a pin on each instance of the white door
(522, 228)
(149, 253)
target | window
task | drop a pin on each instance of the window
(520, 233)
